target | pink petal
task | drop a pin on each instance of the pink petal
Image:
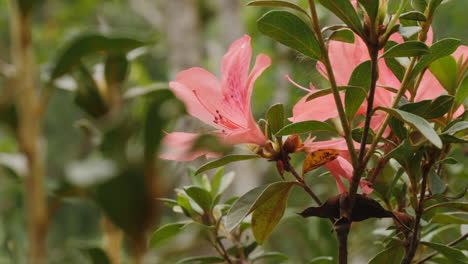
(339, 144)
(235, 70)
(430, 36)
(342, 167)
(178, 146)
(429, 88)
(461, 54)
(198, 89)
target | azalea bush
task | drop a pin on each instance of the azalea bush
(395, 97)
(384, 119)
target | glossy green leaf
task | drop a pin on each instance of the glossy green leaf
(462, 206)
(436, 184)
(201, 196)
(344, 10)
(355, 96)
(290, 30)
(407, 49)
(306, 127)
(417, 122)
(356, 134)
(445, 70)
(417, 108)
(413, 15)
(278, 4)
(371, 7)
(96, 255)
(439, 107)
(401, 153)
(277, 257)
(269, 209)
(419, 5)
(223, 161)
(85, 45)
(165, 233)
(449, 218)
(201, 260)
(275, 117)
(440, 49)
(342, 35)
(454, 255)
(323, 92)
(457, 127)
(392, 63)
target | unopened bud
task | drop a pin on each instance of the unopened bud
(292, 144)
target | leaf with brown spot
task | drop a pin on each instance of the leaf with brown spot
(318, 158)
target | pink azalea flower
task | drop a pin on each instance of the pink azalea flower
(339, 167)
(223, 104)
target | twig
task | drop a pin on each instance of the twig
(456, 241)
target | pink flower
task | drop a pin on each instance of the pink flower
(225, 104)
(339, 167)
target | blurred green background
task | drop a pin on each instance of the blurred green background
(186, 33)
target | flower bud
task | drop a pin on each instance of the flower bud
(292, 144)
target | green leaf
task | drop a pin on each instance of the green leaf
(278, 4)
(221, 182)
(275, 118)
(413, 15)
(342, 35)
(439, 107)
(344, 10)
(417, 108)
(402, 153)
(462, 206)
(201, 260)
(290, 30)
(116, 69)
(457, 127)
(323, 92)
(216, 181)
(449, 218)
(249, 202)
(356, 134)
(223, 161)
(269, 209)
(394, 65)
(85, 45)
(354, 97)
(419, 5)
(445, 70)
(453, 254)
(321, 260)
(462, 91)
(165, 233)
(88, 96)
(371, 7)
(276, 256)
(96, 255)
(242, 207)
(417, 122)
(391, 255)
(440, 49)
(201, 196)
(407, 49)
(305, 127)
(436, 184)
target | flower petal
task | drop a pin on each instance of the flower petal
(178, 146)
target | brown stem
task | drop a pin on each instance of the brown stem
(342, 231)
(29, 131)
(113, 240)
(410, 250)
(456, 241)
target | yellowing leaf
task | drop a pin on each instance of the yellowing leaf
(318, 158)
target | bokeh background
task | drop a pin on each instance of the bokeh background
(186, 33)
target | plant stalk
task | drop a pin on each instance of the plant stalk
(29, 132)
